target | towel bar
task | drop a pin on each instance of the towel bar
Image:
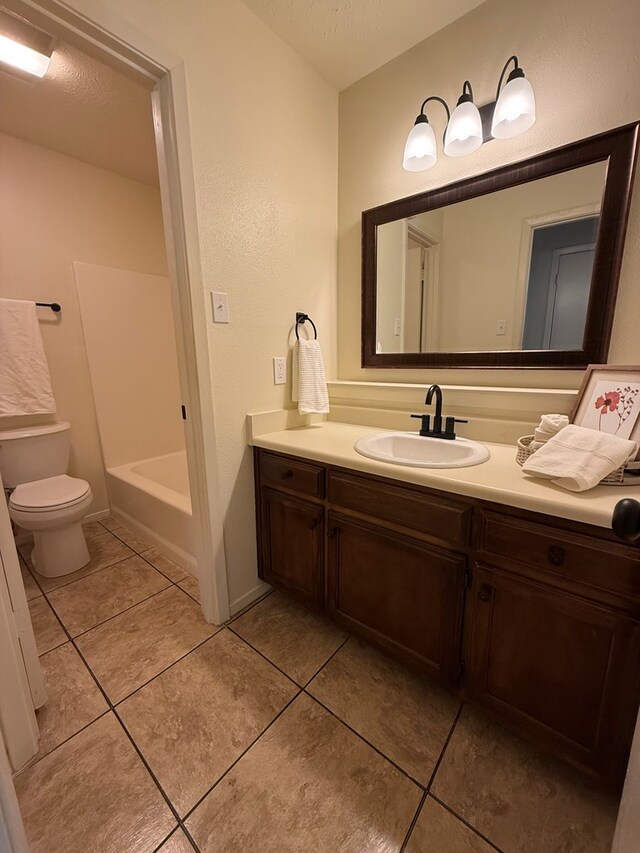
(55, 306)
(301, 318)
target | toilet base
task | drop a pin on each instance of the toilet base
(59, 552)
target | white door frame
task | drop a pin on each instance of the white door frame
(115, 41)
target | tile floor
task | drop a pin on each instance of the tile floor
(275, 733)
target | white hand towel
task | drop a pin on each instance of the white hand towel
(25, 384)
(308, 383)
(577, 458)
(549, 425)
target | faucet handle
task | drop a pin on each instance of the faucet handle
(425, 421)
(450, 424)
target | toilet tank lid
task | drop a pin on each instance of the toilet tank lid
(27, 431)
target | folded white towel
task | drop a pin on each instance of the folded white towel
(308, 383)
(25, 384)
(577, 458)
(549, 425)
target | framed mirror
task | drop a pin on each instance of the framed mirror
(517, 267)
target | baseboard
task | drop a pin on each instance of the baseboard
(96, 516)
(248, 598)
(173, 552)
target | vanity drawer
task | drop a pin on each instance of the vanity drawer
(588, 560)
(422, 513)
(303, 477)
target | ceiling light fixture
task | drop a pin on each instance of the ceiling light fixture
(512, 113)
(24, 49)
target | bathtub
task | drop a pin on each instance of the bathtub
(152, 497)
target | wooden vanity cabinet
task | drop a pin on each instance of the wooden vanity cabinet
(534, 618)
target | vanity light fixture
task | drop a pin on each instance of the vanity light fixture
(25, 50)
(513, 112)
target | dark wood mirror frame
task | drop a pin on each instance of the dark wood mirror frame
(618, 147)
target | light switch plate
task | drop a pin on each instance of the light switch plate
(279, 370)
(396, 326)
(220, 305)
(501, 327)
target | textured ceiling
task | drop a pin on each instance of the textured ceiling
(85, 110)
(346, 39)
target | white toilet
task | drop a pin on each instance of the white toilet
(44, 500)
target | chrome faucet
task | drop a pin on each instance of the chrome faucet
(437, 431)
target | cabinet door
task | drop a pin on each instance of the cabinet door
(556, 666)
(292, 553)
(399, 592)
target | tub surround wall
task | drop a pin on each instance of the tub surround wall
(127, 321)
(55, 210)
(584, 80)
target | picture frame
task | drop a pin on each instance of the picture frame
(609, 400)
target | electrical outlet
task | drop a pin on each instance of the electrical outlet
(279, 370)
(501, 327)
(396, 327)
(220, 305)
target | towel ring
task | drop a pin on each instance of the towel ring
(301, 318)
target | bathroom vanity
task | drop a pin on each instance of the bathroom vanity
(510, 592)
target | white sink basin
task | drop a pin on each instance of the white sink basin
(410, 448)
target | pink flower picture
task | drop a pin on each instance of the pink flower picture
(614, 407)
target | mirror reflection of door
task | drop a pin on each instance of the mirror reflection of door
(420, 291)
(559, 282)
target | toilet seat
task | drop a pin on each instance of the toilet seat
(45, 495)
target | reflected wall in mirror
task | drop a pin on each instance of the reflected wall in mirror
(517, 267)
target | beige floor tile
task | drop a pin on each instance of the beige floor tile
(438, 831)
(404, 716)
(110, 523)
(163, 564)
(136, 645)
(295, 639)
(92, 528)
(105, 550)
(193, 721)
(522, 800)
(135, 542)
(31, 588)
(73, 699)
(88, 602)
(191, 585)
(177, 843)
(307, 784)
(48, 631)
(93, 794)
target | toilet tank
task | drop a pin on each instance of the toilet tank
(33, 453)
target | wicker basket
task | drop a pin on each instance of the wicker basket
(628, 475)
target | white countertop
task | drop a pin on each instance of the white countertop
(500, 479)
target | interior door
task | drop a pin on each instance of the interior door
(568, 296)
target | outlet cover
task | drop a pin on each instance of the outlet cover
(280, 370)
(501, 327)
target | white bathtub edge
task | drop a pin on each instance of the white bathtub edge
(173, 552)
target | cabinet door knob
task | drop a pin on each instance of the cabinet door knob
(485, 591)
(288, 474)
(556, 555)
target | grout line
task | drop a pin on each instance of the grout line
(142, 555)
(242, 754)
(465, 822)
(431, 780)
(34, 572)
(331, 656)
(38, 758)
(262, 655)
(362, 738)
(251, 606)
(120, 612)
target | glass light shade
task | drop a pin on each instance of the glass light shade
(515, 109)
(23, 57)
(464, 131)
(420, 150)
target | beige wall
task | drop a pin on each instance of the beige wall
(263, 129)
(582, 62)
(135, 384)
(53, 211)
